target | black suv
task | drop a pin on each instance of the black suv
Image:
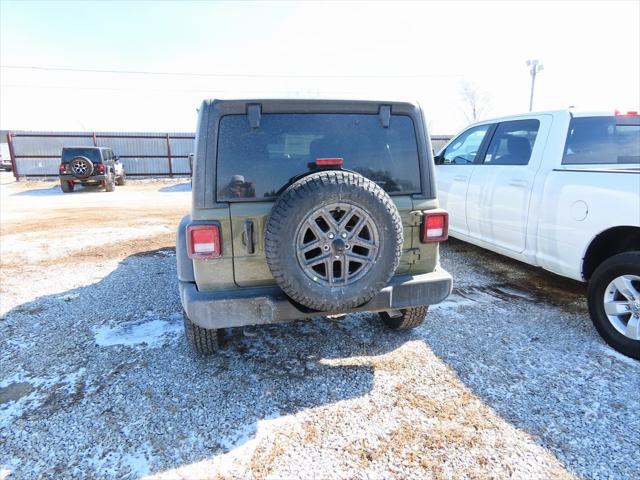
(90, 166)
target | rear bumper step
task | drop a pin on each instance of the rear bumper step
(263, 305)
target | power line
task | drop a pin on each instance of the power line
(224, 75)
(159, 90)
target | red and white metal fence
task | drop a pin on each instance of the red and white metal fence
(37, 154)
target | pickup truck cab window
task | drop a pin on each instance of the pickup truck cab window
(512, 143)
(602, 140)
(464, 149)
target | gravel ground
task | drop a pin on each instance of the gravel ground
(507, 378)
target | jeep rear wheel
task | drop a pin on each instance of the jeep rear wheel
(67, 186)
(201, 340)
(406, 318)
(333, 240)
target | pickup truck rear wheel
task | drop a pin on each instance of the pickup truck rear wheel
(614, 302)
(203, 341)
(406, 318)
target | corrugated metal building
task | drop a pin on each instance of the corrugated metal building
(143, 154)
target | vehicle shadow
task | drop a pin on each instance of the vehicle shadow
(107, 370)
(55, 190)
(179, 187)
(521, 339)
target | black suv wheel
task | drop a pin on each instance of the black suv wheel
(67, 186)
(110, 183)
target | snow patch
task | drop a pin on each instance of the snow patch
(138, 463)
(38, 392)
(150, 330)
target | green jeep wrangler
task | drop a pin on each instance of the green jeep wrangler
(305, 208)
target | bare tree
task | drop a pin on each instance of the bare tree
(475, 99)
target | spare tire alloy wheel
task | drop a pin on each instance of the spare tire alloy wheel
(81, 167)
(337, 244)
(333, 240)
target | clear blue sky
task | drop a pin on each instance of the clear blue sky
(591, 53)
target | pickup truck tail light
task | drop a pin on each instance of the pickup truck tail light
(203, 241)
(435, 227)
(101, 168)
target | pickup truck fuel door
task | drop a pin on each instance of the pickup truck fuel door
(499, 191)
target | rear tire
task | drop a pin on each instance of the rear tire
(67, 186)
(621, 265)
(203, 341)
(121, 180)
(411, 317)
(109, 184)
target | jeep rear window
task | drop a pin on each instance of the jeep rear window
(255, 163)
(92, 154)
(603, 140)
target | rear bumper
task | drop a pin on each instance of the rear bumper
(252, 306)
(92, 178)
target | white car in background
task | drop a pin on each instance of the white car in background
(5, 159)
(559, 190)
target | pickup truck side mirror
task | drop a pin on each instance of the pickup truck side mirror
(438, 159)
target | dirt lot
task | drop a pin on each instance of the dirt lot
(506, 379)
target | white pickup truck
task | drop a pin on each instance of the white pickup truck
(559, 190)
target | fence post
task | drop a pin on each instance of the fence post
(169, 156)
(12, 155)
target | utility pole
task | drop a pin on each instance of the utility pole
(534, 67)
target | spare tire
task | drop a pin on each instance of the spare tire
(81, 167)
(333, 240)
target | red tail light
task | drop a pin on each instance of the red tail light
(203, 241)
(435, 226)
(631, 113)
(61, 169)
(100, 168)
(329, 162)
